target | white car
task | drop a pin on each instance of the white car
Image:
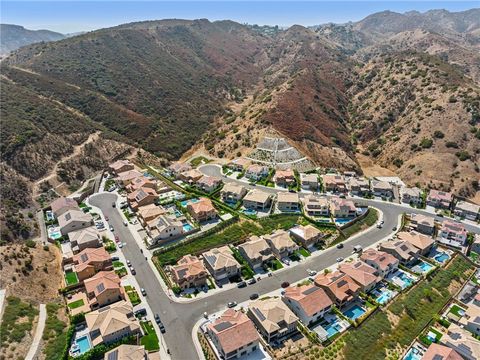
(311, 272)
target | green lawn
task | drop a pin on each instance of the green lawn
(150, 339)
(276, 265)
(362, 224)
(455, 310)
(231, 234)
(132, 295)
(121, 271)
(17, 321)
(127, 214)
(55, 333)
(76, 304)
(198, 161)
(110, 246)
(117, 264)
(413, 311)
(304, 252)
(71, 278)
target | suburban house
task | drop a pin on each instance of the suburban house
(164, 227)
(176, 168)
(142, 197)
(221, 263)
(358, 186)
(342, 208)
(189, 272)
(383, 262)
(439, 199)
(112, 323)
(130, 352)
(233, 334)
(314, 205)
(74, 220)
(476, 244)
(257, 200)
(90, 261)
(202, 210)
(462, 342)
(231, 193)
(62, 205)
(190, 176)
(452, 233)
(281, 243)
(103, 289)
(309, 302)
(362, 273)
(402, 250)
(471, 319)
(382, 188)
(334, 183)
(310, 182)
(120, 166)
(149, 212)
(84, 238)
(412, 195)
(256, 172)
(467, 210)
(340, 287)
(307, 235)
(208, 183)
(440, 352)
(284, 178)
(256, 252)
(239, 164)
(125, 178)
(287, 201)
(273, 319)
(422, 223)
(421, 242)
(141, 182)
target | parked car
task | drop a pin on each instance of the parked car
(311, 272)
(339, 246)
(232, 304)
(125, 222)
(162, 327)
(115, 258)
(140, 312)
(120, 245)
(285, 284)
(111, 228)
(254, 296)
(286, 261)
(129, 264)
(252, 281)
(144, 293)
(132, 270)
(357, 249)
(106, 218)
(241, 284)
(394, 228)
(157, 319)
(340, 259)
(117, 239)
(113, 204)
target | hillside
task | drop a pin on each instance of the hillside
(15, 36)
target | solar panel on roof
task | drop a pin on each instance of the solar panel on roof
(100, 287)
(258, 314)
(222, 326)
(68, 216)
(311, 290)
(113, 355)
(84, 257)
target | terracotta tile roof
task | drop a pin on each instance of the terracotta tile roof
(140, 182)
(338, 204)
(89, 256)
(333, 179)
(73, 215)
(128, 175)
(440, 195)
(420, 241)
(256, 248)
(63, 202)
(284, 175)
(454, 227)
(287, 197)
(140, 194)
(256, 169)
(381, 258)
(423, 219)
(233, 189)
(127, 352)
(273, 314)
(280, 239)
(220, 258)
(188, 266)
(467, 206)
(403, 248)
(209, 181)
(102, 281)
(150, 211)
(233, 330)
(360, 272)
(85, 235)
(119, 163)
(204, 205)
(440, 352)
(311, 298)
(341, 285)
(306, 232)
(179, 167)
(257, 196)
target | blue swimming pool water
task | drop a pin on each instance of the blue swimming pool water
(426, 267)
(178, 213)
(83, 344)
(187, 227)
(413, 354)
(441, 257)
(49, 215)
(354, 312)
(54, 233)
(332, 329)
(250, 212)
(342, 221)
(185, 202)
(384, 296)
(406, 279)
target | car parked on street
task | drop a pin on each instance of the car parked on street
(144, 293)
(340, 259)
(254, 296)
(252, 281)
(285, 284)
(232, 304)
(241, 284)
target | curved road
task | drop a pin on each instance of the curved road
(179, 318)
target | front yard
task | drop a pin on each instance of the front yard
(150, 339)
(132, 295)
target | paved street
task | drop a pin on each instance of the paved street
(179, 318)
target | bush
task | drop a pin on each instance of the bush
(31, 243)
(438, 134)
(451, 144)
(426, 143)
(463, 155)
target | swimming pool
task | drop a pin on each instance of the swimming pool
(178, 213)
(426, 267)
(187, 227)
(441, 257)
(332, 329)
(354, 312)
(250, 212)
(49, 215)
(184, 203)
(404, 278)
(413, 354)
(54, 233)
(83, 344)
(342, 221)
(383, 295)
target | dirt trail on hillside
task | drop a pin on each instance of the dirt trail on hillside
(52, 174)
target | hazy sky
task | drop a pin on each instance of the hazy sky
(74, 16)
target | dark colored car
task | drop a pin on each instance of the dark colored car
(254, 296)
(252, 281)
(141, 312)
(157, 319)
(339, 246)
(162, 327)
(114, 205)
(285, 284)
(241, 284)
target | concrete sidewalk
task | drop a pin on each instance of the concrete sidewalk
(38, 333)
